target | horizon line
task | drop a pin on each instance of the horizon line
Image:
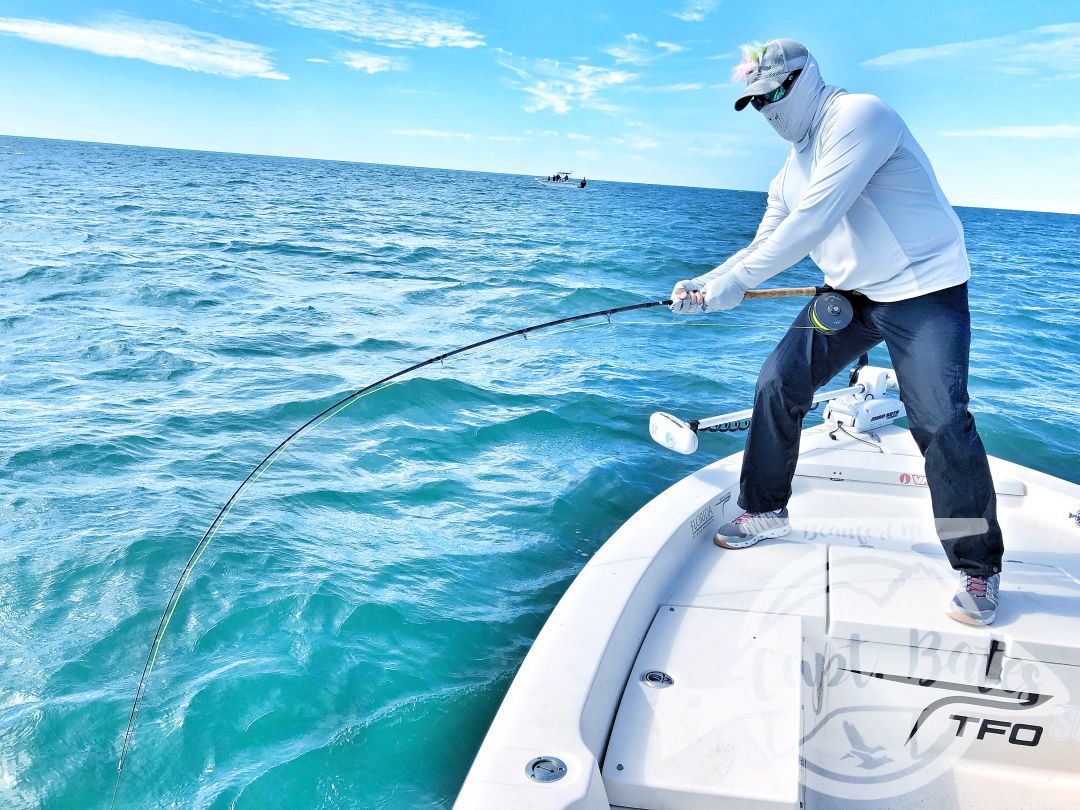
(448, 169)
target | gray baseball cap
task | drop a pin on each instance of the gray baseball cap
(779, 58)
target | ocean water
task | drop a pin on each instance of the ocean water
(167, 317)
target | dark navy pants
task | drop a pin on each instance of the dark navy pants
(928, 339)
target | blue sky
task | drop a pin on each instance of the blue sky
(624, 90)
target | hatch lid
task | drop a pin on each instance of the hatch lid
(710, 716)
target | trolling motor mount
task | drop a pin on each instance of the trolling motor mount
(869, 409)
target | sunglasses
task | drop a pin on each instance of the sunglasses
(777, 94)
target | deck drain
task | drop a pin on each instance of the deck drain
(545, 769)
(657, 679)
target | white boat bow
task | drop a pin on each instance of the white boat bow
(818, 671)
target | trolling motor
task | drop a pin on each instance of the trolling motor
(859, 407)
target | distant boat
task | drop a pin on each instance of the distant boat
(563, 180)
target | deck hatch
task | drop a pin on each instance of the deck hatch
(727, 734)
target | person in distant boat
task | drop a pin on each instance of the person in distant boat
(583, 182)
(858, 195)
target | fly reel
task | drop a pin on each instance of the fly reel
(830, 312)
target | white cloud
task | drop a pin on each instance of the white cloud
(696, 144)
(637, 50)
(636, 142)
(371, 62)
(1040, 132)
(696, 10)
(577, 136)
(393, 24)
(160, 43)
(319, 61)
(560, 88)
(1049, 52)
(906, 56)
(679, 87)
(507, 138)
(671, 47)
(431, 133)
(712, 150)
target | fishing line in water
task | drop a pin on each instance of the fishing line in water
(327, 413)
(268, 461)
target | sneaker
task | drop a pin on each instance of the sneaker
(753, 527)
(976, 600)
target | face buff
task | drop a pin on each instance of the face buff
(766, 69)
(792, 115)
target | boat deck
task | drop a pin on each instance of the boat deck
(813, 671)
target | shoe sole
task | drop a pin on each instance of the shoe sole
(734, 545)
(965, 618)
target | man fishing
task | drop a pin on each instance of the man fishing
(858, 195)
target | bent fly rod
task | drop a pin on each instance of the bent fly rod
(830, 318)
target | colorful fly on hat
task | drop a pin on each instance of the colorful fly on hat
(752, 54)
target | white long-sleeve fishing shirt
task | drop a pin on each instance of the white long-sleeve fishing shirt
(861, 199)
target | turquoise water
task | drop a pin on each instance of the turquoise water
(167, 317)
